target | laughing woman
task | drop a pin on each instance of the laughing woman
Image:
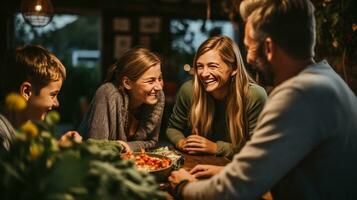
(128, 107)
(217, 111)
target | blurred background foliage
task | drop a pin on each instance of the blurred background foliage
(336, 22)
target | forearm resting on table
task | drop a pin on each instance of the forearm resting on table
(142, 144)
(225, 149)
(174, 135)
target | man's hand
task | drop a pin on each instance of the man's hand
(198, 144)
(177, 176)
(205, 171)
(125, 146)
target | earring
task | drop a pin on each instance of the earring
(233, 79)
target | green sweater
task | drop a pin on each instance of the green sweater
(179, 126)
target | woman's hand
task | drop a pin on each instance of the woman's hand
(125, 146)
(180, 144)
(69, 137)
(205, 171)
(198, 144)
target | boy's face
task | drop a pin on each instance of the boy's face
(39, 104)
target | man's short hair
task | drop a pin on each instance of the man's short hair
(290, 24)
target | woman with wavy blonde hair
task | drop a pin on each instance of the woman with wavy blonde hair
(216, 112)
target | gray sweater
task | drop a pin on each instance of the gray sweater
(7, 132)
(107, 116)
(304, 145)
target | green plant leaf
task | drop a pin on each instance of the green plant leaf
(68, 171)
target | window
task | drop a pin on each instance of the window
(75, 40)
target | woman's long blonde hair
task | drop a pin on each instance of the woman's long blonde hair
(202, 110)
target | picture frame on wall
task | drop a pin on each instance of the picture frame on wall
(121, 44)
(121, 24)
(150, 25)
(145, 41)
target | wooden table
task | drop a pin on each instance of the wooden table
(193, 160)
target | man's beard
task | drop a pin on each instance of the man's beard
(264, 68)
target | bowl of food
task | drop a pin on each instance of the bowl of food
(175, 156)
(158, 165)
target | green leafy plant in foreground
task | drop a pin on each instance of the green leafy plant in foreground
(37, 167)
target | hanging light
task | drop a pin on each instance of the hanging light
(208, 11)
(37, 12)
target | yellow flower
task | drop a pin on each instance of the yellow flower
(46, 134)
(53, 117)
(35, 151)
(14, 102)
(29, 129)
(54, 145)
(50, 161)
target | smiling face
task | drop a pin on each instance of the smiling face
(146, 89)
(213, 73)
(40, 103)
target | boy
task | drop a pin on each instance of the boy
(37, 75)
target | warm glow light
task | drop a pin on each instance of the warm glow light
(38, 8)
(37, 12)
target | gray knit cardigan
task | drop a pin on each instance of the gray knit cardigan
(7, 132)
(107, 116)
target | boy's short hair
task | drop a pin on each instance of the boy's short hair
(30, 63)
